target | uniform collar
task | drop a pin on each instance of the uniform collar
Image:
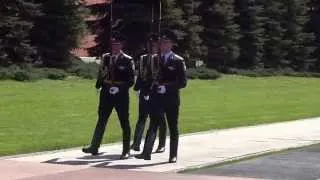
(167, 55)
(117, 55)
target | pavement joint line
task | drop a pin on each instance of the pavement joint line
(298, 139)
(283, 139)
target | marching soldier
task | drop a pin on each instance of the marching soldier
(116, 76)
(148, 64)
(165, 96)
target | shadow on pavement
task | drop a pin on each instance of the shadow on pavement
(128, 167)
(101, 161)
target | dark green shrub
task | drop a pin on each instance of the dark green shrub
(272, 72)
(192, 73)
(56, 74)
(203, 73)
(84, 70)
(29, 73)
(5, 74)
(22, 75)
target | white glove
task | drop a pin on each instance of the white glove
(146, 97)
(161, 89)
(113, 90)
(138, 93)
(98, 90)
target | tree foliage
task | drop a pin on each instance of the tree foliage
(16, 21)
(59, 30)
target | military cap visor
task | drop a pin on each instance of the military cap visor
(117, 38)
(153, 37)
(168, 35)
(114, 42)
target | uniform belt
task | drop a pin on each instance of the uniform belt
(167, 83)
(114, 82)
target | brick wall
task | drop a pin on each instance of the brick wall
(89, 40)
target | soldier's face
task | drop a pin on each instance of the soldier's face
(165, 45)
(116, 47)
(153, 46)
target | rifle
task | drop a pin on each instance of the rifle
(106, 73)
(111, 77)
(110, 24)
(156, 70)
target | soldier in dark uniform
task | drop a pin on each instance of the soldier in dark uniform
(116, 76)
(146, 67)
(165, 97)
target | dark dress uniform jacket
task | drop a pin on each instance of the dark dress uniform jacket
(144, 79)
(119, 73)
(172, 74)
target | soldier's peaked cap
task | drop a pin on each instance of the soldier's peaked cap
(167, 34)
(117, 37)
(152, 37)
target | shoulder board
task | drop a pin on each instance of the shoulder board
(177, 57)
(143, 55)
(126, 56)
(103, 58)
(106, 54)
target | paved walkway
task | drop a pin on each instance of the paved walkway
(295, 164)
(196, 150)
(15, 170)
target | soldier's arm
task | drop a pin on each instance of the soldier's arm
(131, 73)
(182, 75)
(99, 81)
(181, 79)
(138, 84)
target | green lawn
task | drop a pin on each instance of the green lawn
(48, 115)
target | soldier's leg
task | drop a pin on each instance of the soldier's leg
(172, 115)
(162, 134)
(150, 138)
(155, 112)
(152, 132)
(104, 111)
(140, 126)
(122, 108)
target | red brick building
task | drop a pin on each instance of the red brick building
(89, 40)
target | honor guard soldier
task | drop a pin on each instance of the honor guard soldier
(116, 76)
(147, 68)
(171, 77)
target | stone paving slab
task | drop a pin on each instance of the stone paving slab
(112, 174)
(196, 150)
(14, 170)
(18, 170)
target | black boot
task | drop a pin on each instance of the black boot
(124, 156)
(173, 159)
(135, 147)
(90, 150)
(160, 149)
(143, 156)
